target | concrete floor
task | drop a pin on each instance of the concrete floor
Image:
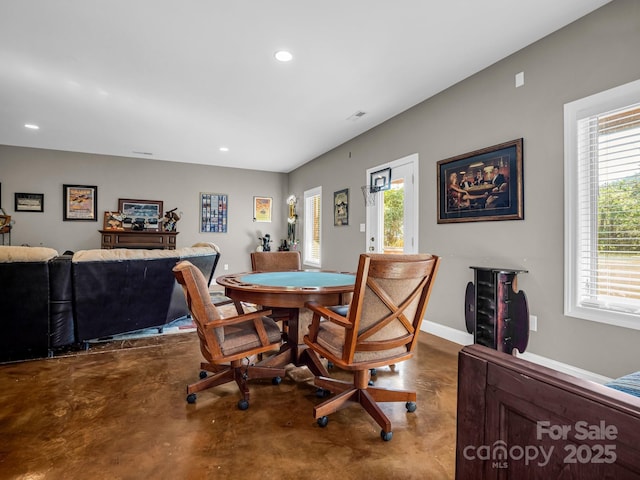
(118, 411)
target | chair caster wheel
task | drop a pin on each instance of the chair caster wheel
(203, 374)
(370, 383)
(321, 393)
(411, 406)
(386, 436)
(243, 404)
(373, 371)
(276, 380)
(323, 421)
(191, 398)
(329, 364)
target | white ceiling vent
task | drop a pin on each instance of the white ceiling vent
(357, 116)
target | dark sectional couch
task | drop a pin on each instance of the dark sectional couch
(50, 301)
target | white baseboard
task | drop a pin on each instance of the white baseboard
(452, 334)
(464, 338)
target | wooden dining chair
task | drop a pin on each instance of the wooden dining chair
(380, 328)
(225, 342)
(277, 262)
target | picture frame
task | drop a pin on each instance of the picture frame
(80, 203)
(380, 180)
(262, 208)
(5, 223)
(341, 208)
(113, 221)
(140, 214)
(29, 202)
(483, 185)
(213, 212)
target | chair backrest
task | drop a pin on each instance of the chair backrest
(275, 261)
(389, 301)
(196, 292)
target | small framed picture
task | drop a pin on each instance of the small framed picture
(341, 208)
(80, 202)
(262, 209)
(29, 202)
(113, 221)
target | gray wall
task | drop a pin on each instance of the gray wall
(595, 53)
(176, 184)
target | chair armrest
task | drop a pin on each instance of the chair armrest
(223, 322)
(330, 315)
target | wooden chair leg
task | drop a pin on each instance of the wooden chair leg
(219, 378)
(360, 392)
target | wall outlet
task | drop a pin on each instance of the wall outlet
(533, 323)
(226, 266)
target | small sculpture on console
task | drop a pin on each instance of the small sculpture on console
(264, 245)
(170, 220)
(292, 220)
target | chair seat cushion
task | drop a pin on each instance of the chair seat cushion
(332, 337)
(629, 384)
(241, 337)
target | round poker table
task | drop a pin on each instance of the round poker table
(290, 289)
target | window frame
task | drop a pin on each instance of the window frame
(615, 98)
(309, 196)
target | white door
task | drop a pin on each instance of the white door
(394, 229)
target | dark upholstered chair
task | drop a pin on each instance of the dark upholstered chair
(225, 342)
(380, 328)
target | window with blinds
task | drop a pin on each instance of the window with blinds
(602, 204)
(312, 226)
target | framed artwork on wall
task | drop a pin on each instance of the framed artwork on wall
(140, 214)
(29, 202)
(80, 202)
(482, 185)
(341, 207)
(213, 212)
(262, 209)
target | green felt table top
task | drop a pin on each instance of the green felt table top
(305, 279)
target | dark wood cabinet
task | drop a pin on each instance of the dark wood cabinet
(138, 239)
(496, 313)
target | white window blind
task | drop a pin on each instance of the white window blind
(312, 226)
(604, 208)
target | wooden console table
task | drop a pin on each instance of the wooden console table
(138, 239)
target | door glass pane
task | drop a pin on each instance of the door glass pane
(393, 212)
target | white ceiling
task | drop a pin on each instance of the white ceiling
(178, 79)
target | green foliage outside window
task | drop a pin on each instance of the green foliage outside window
(394, 217)
(619, 216)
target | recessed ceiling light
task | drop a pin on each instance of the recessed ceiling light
(224, 149)
(31, 126)
(283, 56)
